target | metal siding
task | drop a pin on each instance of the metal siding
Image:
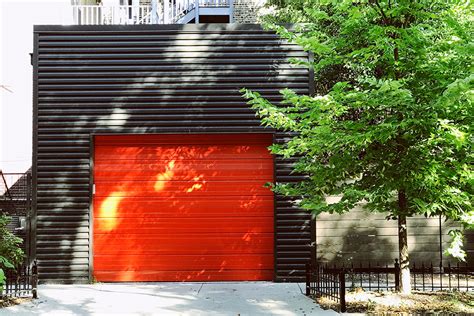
(293, 227)
(145, 80)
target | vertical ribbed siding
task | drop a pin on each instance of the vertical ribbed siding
(145, 80)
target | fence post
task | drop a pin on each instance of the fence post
(154, 11)
(231, 11)
(196, 11)
(342, 290)
(34, 279)
(397, 276)
(308, 279)
(166, 12)
(318, 278)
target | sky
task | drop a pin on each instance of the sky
(17, 18)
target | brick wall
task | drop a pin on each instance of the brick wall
(247, 11)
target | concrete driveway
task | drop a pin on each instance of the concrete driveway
(243, 298)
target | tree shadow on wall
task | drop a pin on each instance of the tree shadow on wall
(357, 245)
(186, 82)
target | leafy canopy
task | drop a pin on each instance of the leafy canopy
(393, 111)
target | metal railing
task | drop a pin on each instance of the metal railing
(166, 12)
(322, 283)
(453, 277)
(124, 14)
(214, 3)
(4, 190)
(332, 283)
(21, 281)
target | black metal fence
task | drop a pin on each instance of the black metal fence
(321, 282)
(21, 282)
(453, 277)
(332, 282)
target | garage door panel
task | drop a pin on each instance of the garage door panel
(195, 207)
(186, 206)
(183, 262)
(183, 225)
(179, 152)
(183, 276)
(184, 244)
(159, 164)
(183, 208)
(185, 170)
(175, 189)
(177, 139)
(189, 176)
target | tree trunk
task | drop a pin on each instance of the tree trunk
(405, 281)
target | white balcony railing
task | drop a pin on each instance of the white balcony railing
(124, 14)
(166, 12)
(214, 3)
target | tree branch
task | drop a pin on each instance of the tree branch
(377, 4)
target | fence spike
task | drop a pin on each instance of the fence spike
(378, 279)
(467, 277)
(396, 266)
(414, 275)
(441, 275)
(370, 277)
(449, 275)
(432, 276)
(308, 279)
(457, 270)
(423, 274)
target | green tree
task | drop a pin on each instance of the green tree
(390, 124)
(10, 252)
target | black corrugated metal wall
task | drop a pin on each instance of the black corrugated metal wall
(138, 80)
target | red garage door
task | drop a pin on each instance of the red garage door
(183, 208)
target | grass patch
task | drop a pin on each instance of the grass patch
(417, 303)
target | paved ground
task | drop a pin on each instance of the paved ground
(244, 298)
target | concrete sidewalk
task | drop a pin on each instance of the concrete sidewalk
(243, 298)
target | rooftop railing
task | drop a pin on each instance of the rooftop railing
(163, 12)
